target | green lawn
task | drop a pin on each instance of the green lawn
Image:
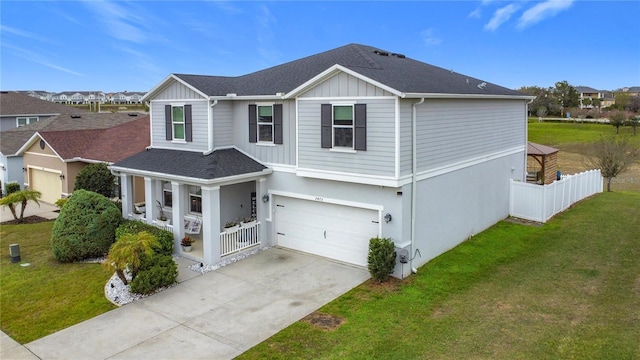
(558, 134)
(46, 296)
(569, 289)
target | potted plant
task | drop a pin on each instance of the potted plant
(162, 219)
(186, 243)
(248, 222)
(231, 226)
(137, 214)
(141, 207)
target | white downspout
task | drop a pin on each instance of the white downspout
(210, 125)
(414, 156)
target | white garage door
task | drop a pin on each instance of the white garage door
(334, 231)
(48, 183)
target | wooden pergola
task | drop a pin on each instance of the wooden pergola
(542, 163)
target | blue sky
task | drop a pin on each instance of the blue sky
(133, 45)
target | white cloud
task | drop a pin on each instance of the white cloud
(266, 47)
(501, 16)
(25, 34)
(475, 14)
(121, 22)
(542, 11)
(430, 38)
(38, 59)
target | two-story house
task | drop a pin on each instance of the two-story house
(328, 151)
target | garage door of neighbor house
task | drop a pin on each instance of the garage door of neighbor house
(335, 231)
(48, 183)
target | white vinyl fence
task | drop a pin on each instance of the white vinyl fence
(541, 202)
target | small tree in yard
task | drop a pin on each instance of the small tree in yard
(97, 178)
(20, 197)
(612, 156)
(617, 119)
(382, 258)
(127, 252)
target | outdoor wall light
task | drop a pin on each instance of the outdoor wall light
(387, 218)
(61, 176)
(4, 168)
(265, 197)
(24, 169)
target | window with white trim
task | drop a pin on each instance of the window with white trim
(195, 199)
(177, 122)
(167, 194)
(343, 126)
(265, 123)
(22, 121)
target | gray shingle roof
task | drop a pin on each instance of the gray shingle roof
(13, 103)
(12, 140)
(401, 73)
(219, 164)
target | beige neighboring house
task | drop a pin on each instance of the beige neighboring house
(53, 154)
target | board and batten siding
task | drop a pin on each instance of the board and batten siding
(176, 90)
(285, 153)
(199, 116)
(342, 85)
(378, 159)
(453, 131)
(223, 124)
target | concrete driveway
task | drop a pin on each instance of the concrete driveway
(218, 315)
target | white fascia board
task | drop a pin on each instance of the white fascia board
(91, 161)
(26, 115)
(32, 140)
(330, 72)
(165, 82)
(249, 97)
(323, 199)
(191, 180)
(465, 96)
(387, 181)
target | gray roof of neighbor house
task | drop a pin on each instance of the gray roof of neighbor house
(216, 165)
(586, 89)
(393, 70)
(12, 140)
(13, 103)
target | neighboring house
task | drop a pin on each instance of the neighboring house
(607, 100)
(586, 92)
(12, 140)
(328, 151)
(633, 90)
(53, 159)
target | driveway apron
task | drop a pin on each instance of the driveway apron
(218, 315)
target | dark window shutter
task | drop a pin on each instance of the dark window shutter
(326, 126)
(277, 123)
(253, 123)
(188, 124)
(168, 126)
(360, 132)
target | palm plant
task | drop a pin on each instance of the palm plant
(20, 197)
(127, 252)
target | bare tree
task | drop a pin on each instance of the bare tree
(617, 119)
(612, 155)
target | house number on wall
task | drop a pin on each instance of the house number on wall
(318, 198)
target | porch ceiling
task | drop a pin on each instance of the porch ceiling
(219, 164)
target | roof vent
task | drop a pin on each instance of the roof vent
(381, 53)
(75, 116)
(482, 85)
(132, 114)
(400, 56)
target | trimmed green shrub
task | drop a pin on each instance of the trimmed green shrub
(11, 188)
(60, 202)
(97, 178)
(382, 258)
(165, 237)
(85, 228)
(155, 271)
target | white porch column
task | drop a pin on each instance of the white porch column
(263, 212)
(211, 223)
(126, 186)
(150, 199)
(177, 212)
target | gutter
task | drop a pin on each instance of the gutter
(414, 155)
(210, 125)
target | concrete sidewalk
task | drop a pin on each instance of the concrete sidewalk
(45, 210)
(218, 315)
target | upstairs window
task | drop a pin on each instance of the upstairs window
(178, 123)
(22, 121)
(344, 126)
(265, 124)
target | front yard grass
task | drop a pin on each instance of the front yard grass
(569, 289)
(46, 296)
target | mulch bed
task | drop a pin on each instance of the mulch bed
(27, 220)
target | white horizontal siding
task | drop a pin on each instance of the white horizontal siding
(200, 117)
(378, 159)
(406, 138)
(450, 131)
(342, 85)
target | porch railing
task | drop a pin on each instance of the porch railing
(232, 241)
